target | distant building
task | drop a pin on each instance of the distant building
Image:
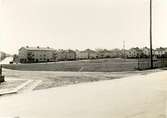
(117, 53)
(60, 55)
(146, 51)
(134, 52)
(70, 55)
(82, 55)
(165, 50)
(104, 53)
(35, 54)
(86, 54)
(124, 53)
(159, 52)
(65, 55)
(77, 54)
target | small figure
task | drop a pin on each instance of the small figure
(2, 78)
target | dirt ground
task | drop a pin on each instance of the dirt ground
(51, 79)
(99, 65)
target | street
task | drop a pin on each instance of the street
(140, 96)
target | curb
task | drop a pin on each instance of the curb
(14, 90)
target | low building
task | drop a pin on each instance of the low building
(35, 54)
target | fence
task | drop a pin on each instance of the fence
(145, 63)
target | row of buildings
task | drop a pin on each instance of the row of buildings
(145, 52)
(40, 54)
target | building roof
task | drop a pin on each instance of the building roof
(65, 51)
(70, 51)
(38, 48)
(88, 50)
(145, 48)
(105, 51)
(160, 49)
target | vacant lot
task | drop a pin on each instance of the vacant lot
(51, 79)
(100, 65)
(73, 72)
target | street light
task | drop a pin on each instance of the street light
(151, 54)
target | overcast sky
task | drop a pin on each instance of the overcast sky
(80, 24)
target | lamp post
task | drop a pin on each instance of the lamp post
(151, 53)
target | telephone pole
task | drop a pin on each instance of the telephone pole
(124, 55)
(151, 53)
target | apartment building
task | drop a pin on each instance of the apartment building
(35, 54)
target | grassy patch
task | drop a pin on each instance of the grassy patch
(100, 65)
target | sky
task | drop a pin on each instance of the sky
(80, 24)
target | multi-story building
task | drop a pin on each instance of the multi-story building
(134, 52)
(104, 53)
(146, 51)
(86, 54)
(159, 52)
(117, 53)
(71, 55)
(65, 55)
(81, 55)
(35, 54)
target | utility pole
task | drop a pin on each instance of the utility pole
(124, 50)
(151, 53)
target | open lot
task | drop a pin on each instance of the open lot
(132, 97)
(72, 72)
(100, 65)
(51, 79)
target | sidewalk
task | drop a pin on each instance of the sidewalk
(142, 96)
(13, 85)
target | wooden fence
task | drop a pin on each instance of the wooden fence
(145, 63)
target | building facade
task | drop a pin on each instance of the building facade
(146, 51)
(86, 54)
(159, 52)
(35, 54)
(134, 53)
(65, 55)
